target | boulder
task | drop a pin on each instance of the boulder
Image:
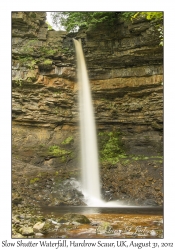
(26, 231)
(38, 227)
(70, 217)
(39, 235)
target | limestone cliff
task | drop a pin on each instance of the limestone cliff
(126, 74)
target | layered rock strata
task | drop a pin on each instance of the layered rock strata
(125, 68)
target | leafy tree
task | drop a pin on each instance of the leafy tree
(49, 26)
(73, 20)
(158, 16)
(149, 15)
(127, 15)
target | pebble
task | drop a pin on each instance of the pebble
(26, 231)
(39, 235)
(38, 227)
(18, 236)
(54, 222)
(153, 233)
(28, 217)
(22, 216)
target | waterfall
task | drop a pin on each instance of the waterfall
(89, 149)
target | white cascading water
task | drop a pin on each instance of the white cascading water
(89, 149)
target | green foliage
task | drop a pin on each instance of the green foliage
(19, 82)
(49, 26)
(139, 157)
(32, 64)
(28, 61)
(47, 62)
(27, 50)
(127, 15)
(150, 15)
(156, 158)
(47, 51)
(64, 155)
(71, 21)
(33, 47)
(68, 140)
(57, 151)
(111, 150)
(34, 180)
(25, 59)
(29, 46)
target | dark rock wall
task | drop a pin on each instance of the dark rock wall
(125, 68)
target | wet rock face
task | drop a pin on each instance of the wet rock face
(125, 69)
(44, 186)
(135, 182)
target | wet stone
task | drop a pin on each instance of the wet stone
(38, 227)
(69, 217)
(26, 231)
(18, 236)
(39, 235)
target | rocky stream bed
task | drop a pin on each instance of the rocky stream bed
(38, 196)
(32, 222)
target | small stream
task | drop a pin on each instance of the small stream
(125, 222)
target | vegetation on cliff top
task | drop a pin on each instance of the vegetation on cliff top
(72, 21)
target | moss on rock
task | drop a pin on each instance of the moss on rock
(69, 217)
(111, 148)
(34, 180)
(57, 151)
(68, 140)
